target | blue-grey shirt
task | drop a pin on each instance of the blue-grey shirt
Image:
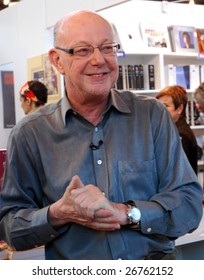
(141, 159)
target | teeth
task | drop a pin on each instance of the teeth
(98, 75)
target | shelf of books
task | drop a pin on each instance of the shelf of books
(156, 55)
(158, 47)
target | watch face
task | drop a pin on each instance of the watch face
(135, 214)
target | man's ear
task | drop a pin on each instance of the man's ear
(55, 60)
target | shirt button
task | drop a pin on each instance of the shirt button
(52, 235)
(99, 162)
(96, 129)
(149, 229)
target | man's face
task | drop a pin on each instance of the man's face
(92, 75)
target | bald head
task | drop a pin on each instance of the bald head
(80, 23)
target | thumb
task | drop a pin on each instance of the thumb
(75, 183)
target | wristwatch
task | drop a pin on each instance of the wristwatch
(133, 215)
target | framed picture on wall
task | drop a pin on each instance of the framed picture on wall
(40, 68)
(155, 35)
(183, 38)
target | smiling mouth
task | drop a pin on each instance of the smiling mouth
(98, 75)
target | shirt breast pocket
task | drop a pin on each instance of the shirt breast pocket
(137, 180)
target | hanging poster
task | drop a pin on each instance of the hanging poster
(9, 115)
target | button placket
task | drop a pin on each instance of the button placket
(99, 159)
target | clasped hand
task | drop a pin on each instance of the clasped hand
(88, 206)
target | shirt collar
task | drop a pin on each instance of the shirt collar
(118, 102)
(115, 101)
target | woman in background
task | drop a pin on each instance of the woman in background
(33, 95)
(175, 99)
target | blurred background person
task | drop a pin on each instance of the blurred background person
(199, 98)
(175, 99)
(33, 95)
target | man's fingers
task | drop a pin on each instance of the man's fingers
(75, 183)
(103, 213)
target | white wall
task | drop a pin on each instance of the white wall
(25, 30)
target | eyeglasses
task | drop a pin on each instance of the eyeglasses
(86, 51)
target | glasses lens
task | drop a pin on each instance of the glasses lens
(86, 51)
(83, 51)
(109, 49)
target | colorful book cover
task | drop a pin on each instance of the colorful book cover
(183, 76)
(200, 38)
(155, 35)
(183, 38)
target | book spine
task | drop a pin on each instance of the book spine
(194, 76)
(141, 76)
(183, 76)
(146, 76)
(201, 74)
(170, 78)
(151, 74)
(136, 73)
(130, 74)
(125, 77)
(119, 83)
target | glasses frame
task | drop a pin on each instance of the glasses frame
(72, 51)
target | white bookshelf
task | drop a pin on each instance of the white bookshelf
(127, 18)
